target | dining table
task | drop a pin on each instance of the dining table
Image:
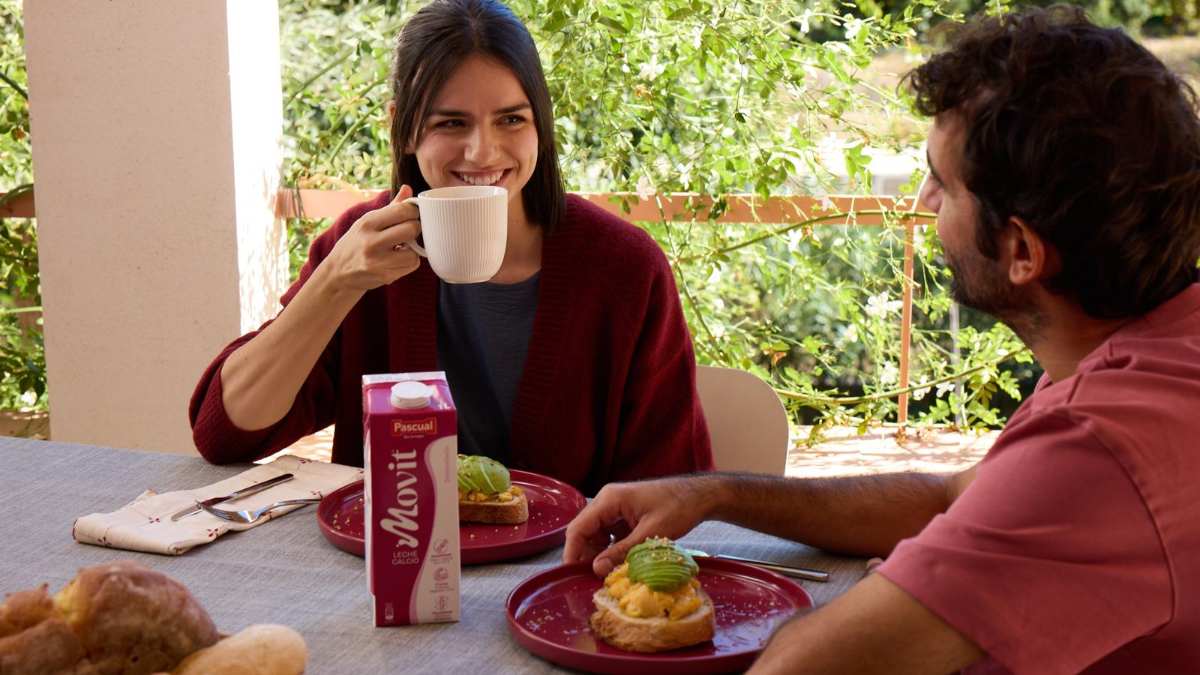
(285, 572)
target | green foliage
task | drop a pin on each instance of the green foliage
(709, 97)
(336, 62)
(22, 363)
(704, 96)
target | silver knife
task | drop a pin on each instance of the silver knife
(244, 492)
(786, 570)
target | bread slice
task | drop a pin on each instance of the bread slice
(495, 512)
(651, 635)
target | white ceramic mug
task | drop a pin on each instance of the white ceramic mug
(465, 229)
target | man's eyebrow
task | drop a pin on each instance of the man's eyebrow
(933, 171)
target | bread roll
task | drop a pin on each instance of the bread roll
(262, 649)
(34, 639)
(132, 619)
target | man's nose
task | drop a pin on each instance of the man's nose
(930, 196)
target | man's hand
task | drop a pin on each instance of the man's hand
(631, 512)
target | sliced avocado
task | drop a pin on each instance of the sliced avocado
(482, 474)
(660, 564)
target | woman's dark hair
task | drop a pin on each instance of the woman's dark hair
(432, 44)
(1086, 136)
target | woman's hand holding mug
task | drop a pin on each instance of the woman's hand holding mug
(465, 231)
(376, 251)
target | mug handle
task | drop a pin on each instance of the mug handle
(413, 244)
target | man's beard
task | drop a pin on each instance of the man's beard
(980, 284)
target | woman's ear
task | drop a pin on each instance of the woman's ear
(1030, 257)
(391, 110)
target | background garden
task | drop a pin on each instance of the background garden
(712, 97)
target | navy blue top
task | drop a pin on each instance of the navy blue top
(482, 338)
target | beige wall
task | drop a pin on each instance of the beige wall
(155, 130)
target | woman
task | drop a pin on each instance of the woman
(573, 361)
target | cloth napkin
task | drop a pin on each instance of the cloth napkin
(145, 523)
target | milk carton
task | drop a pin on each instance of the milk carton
(410, 455)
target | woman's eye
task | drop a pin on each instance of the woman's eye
(448, 124)
(513, 120)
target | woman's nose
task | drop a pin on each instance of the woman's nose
(481, 145)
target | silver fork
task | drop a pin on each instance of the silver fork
(251, 516)
(244, 492)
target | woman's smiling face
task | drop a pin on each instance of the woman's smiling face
(480, 130)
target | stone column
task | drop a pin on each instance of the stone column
(156, 128)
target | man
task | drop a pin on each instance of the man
(1065, 171)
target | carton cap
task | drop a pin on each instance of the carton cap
(411, 395)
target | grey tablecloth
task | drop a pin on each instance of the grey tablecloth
(285, 572)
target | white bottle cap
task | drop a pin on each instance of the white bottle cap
(411, 395)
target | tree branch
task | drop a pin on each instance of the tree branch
(10, 82)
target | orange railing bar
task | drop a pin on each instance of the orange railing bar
(741, 208)
(910, 229)
(293, 203)
(20, 207)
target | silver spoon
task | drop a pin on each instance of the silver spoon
(251, 516)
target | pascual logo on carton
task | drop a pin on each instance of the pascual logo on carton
(421, 426)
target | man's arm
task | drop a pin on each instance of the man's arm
(862, 515)
(854, 515)
(874, 628)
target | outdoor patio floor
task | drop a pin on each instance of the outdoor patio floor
(842, 453)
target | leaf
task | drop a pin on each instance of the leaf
(556, 22)
(613, 24)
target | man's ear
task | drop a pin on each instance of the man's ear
(1030, 257)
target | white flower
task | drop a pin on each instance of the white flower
(945, 388)
(794, 238)
(645, 187)
(853, 28)
(919, 394)
(889, 373)
(850, 334)
(879, 307)
(804, 27)
(651, 69)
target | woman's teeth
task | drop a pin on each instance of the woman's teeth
(480, 179)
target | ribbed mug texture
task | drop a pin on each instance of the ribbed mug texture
(465, 236)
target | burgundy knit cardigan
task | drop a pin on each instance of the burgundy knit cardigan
(608, 392)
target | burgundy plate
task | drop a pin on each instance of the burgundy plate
(552, 504)
(340, 517)
(548, 615)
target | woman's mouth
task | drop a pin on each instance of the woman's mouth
(481, 177)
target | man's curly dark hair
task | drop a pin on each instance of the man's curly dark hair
(1086, 136)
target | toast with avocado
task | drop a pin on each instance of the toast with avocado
(653, 601)
(486, 493)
